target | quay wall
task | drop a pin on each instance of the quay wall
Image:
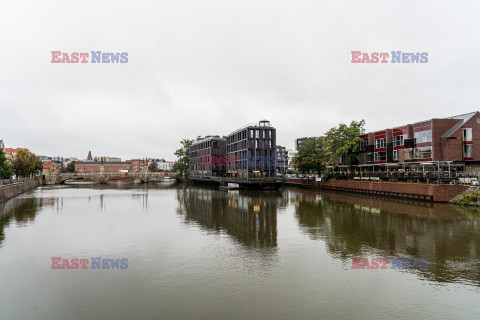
(435, 192)
(13, 190)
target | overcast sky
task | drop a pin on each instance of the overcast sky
(209, 67)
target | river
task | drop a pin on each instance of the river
(191, 252)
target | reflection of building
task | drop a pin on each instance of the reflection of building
(250, 220)
(357, 226)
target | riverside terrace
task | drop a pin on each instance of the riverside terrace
(432, 171)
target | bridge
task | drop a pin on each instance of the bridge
(104, 177)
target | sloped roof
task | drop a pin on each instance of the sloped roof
(463, 119)
(47, 165)
(13, 150)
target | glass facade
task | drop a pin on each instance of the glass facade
(467, 150)
(381, 156)
(423, 153)
(467, 134)
(423, 136)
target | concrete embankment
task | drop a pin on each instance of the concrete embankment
(13, 190)
(420, 191)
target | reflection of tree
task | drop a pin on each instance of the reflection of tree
(249, 218)
(20, 210)
(362, 226)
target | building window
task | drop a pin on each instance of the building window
(397, 141)
(362, 145)
(380, 156)
(380, 143)
(257, 133)
(256, 143)
(395, 155)
(423, 136)
(423, 153)
(467, 134)
(370, 157)
(467, 150)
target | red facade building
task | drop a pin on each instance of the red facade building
(453, 139)
(106, 167)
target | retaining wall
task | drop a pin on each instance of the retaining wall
(438, 193)
(12, 190)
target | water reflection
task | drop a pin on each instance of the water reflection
(448, 236)
(249, 218)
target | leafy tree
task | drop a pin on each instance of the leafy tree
(6, 170)
(152, 166)
(24, 163)
(343, 141)
(70, 167)
(181, 166)
(311, 156)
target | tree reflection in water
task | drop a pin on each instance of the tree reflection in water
(351, 225)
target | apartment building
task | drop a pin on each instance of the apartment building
(454, 139)
(207, 157)
(251, 151)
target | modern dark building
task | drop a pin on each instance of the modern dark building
(282, 158)
(251, 151)
(207, 158)
(299, 142)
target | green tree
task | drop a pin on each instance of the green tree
(70, 167)
(6, 170)
(343, 141)
(153, 166)
(311, 156)
(24, 163)
(181, 166)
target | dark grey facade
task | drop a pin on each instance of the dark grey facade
(207, 158)
(282, 158)
(251, 151)
(299, 142)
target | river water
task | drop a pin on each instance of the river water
(200, 253)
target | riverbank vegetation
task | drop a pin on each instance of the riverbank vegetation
(471, 197)
(338, 144)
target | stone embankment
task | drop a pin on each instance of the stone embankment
(13, 190)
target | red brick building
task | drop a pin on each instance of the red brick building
(138, 165)
(97, 167)
(453, 139)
